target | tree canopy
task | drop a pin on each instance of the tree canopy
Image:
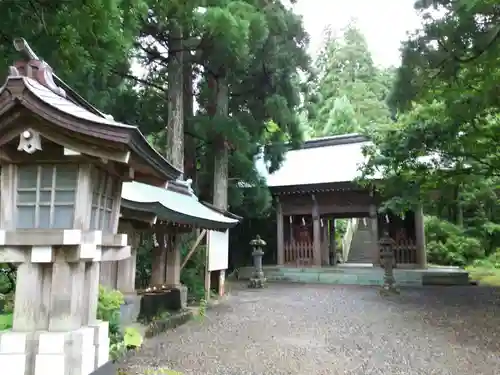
(443, 148)
(348, 91)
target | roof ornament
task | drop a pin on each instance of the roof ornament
(187, 184)
(13, 71)
(35, 68)
(29, 141)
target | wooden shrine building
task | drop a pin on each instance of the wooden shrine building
(64, 167)
(315, 186)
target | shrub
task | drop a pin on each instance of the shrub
(447, 243)
(108, 309)
(5, 321)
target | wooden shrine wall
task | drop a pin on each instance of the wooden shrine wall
(335, 203)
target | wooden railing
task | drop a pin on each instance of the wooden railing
(299, 253)
(405, 252)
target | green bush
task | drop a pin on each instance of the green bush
(447, 244)
(5, 321)
(108, 309)
(193, 274)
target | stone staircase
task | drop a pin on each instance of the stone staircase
(361, 244)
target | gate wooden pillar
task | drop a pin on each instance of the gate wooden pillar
(280, 234)
(420, 237)
(316, 233)
(373, 225)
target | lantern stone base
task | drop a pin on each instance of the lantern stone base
(389, 289)
(57, 353)
(257, 282)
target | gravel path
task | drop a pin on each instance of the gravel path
(315, 329)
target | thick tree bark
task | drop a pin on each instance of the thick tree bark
(174, 152)
(189, 142)
(175, 126)
(221, 152)
(221, 166)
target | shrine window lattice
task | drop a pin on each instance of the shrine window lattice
(46, 196)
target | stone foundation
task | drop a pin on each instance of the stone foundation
(55, 353)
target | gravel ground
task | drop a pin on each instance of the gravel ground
(316, 329)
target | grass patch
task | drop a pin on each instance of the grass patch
(5, 321)
(489, 276)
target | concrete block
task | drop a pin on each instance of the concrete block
(42, 254)
(87, 251)
(52, 342)
(53, 364)
(13, 342)
(72, 237)
(15, 363)
(2, 237)
(83, 349)
(102, 353)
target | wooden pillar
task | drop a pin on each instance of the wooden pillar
(126, 268)
(316, 233)
(325, 248)
(333, 243)
(420, 237)
(280, 234)
(374, 232)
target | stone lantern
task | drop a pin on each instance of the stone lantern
(386, 244)
(62, 167)
(258, 279)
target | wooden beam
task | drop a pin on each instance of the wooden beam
(193, 248)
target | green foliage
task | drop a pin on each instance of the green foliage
(442, 150)
(7, 278)
(5, 321)
(193, 274)
(448, 244)
(348, 92)
(486, 271)
(108, 309)
(143, 265)
(83, 41)
(132, 338)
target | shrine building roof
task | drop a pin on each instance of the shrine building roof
(33, 96)
(320, 161)
(176, 204)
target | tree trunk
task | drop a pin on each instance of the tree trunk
(175, 127)
(220, 166)
(220, 150)
(174, 152)
(189, 141)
